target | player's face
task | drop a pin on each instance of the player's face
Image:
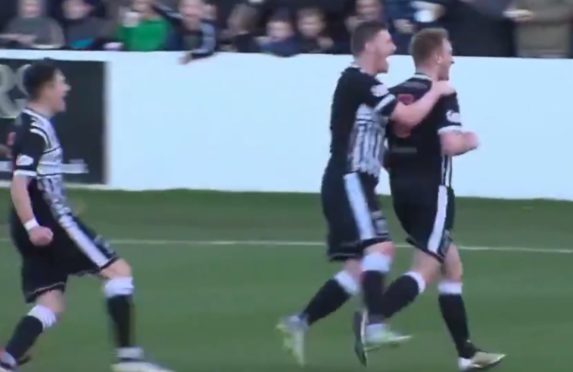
(56, 92)
(445, 60)
(382, 47)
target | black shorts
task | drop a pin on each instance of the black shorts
(427, 217)
(75, 250)
(353, 215)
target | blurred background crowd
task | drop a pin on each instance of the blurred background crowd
(495, 28)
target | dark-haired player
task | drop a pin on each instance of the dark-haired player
(420, 166)
(358, 235)
(53, 243)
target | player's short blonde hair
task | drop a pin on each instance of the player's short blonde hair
(426, 42)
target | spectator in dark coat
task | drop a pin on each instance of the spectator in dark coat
(280, 40)
(242, 23)
(82, 29)
(191, 32)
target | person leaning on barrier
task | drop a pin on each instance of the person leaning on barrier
(191, 33)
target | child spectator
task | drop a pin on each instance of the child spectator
(143, 29)
(32, 29)
(242, 23)
(82, 29)
(191, 32)
(280, 40)
(312, 30)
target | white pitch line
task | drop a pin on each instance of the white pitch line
(286, 243)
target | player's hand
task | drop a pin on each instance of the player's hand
(444, 88)
(472, 140)
(41, 236)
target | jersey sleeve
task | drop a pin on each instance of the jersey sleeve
(450, 119)
(378, 96)
(29, 154)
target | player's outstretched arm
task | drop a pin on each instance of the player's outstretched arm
(458, 143)
(412, 115)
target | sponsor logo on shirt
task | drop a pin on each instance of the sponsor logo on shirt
(454, 117)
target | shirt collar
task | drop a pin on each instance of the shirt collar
(422, 76)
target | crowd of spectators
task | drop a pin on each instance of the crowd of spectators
(495, 28)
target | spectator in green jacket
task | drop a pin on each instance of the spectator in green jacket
(143, 29)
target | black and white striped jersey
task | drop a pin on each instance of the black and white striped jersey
(416, 157)
(361, 109)
(37, 153)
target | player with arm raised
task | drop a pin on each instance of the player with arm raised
(358, 235)
(420, 166)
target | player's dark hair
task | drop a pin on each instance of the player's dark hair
(37, 75)
(363, 34)
(426, 42)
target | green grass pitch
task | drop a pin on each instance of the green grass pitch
(213, 308)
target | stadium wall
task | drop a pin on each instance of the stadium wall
(260, 123)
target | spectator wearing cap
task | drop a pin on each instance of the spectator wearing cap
(82, 29)
(280, 40)
(241, 31)
(32, 29)
(313, 37)
(191, 32)
(142, 29)
(543, 27)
